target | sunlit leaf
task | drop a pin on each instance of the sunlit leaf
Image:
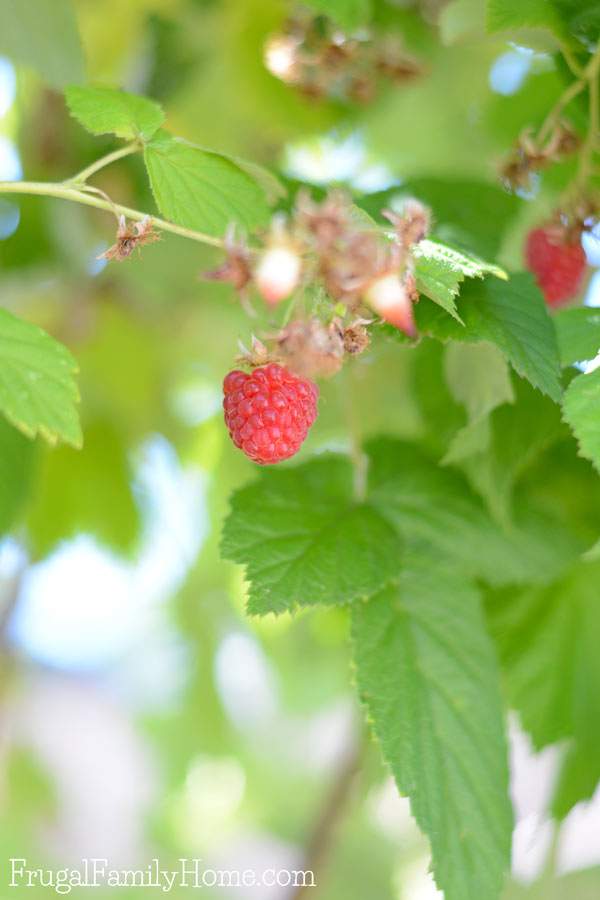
(104, 110)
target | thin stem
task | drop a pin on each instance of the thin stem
(94, 167)
(67, 192)
(571, 62)
(321, 837)
(592, 73)
(575, 88)
(359, 459)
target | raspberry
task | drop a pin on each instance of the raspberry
(269, 412)
(558, 264)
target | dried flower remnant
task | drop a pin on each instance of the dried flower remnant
(531, 155)
(129, 236)
(236, 269)
(310, 348)
(320, 61)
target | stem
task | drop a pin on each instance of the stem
(321, 837)
(359, 459)
(573, 65)
(592, 71)
(65, 191)
(94, 167)
(575, 88)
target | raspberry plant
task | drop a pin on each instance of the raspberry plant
(460, 537)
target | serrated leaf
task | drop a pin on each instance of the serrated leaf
(478, 377)
(581, 410)
(469, 213)
(513, 316)
(519, 434)
(435, 508)
(548, 641)
(348, 14)
(578, 333)
(43, 35)
(440, 270)
(426, 671)
(38, 392)
(201, 189)
(103, 110)
(304, 540)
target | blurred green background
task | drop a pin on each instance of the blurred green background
(142, 714)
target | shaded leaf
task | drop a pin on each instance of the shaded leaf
(435, 508)
(578, 333)
(43, 34)
(548, 640)
(513, 316)
(87, 491)
(348, 14)
(479, 378)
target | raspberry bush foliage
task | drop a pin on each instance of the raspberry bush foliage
(409, 350)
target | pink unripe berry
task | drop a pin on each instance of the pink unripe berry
(278, 273)
(388, 296)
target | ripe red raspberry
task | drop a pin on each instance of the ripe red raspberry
(558, 264)
(269, 412)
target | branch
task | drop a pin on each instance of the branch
(86, 173)
(67, 191)
(320, 840)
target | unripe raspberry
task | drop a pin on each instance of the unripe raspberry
(277, 273)
(388, 296)
(269, 411)
(557, 262)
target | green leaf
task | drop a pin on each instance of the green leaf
(16, 457)
(578, 779)
(43, 35)
(38, 392)
(503, 15)
(513, 316)
(581, 410)
(548, 641)
(462, 20)
(304, 540)
(440, 270)
(103, 110)
(519, 433)
(201, 189)
(578, 333)
(468, 213)
(427, 673)
(348, 14)
(478, 377)
(435, 508)
(87, 491)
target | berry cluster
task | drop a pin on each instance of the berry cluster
(331, 243)
(320, 61)
(269, 411)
